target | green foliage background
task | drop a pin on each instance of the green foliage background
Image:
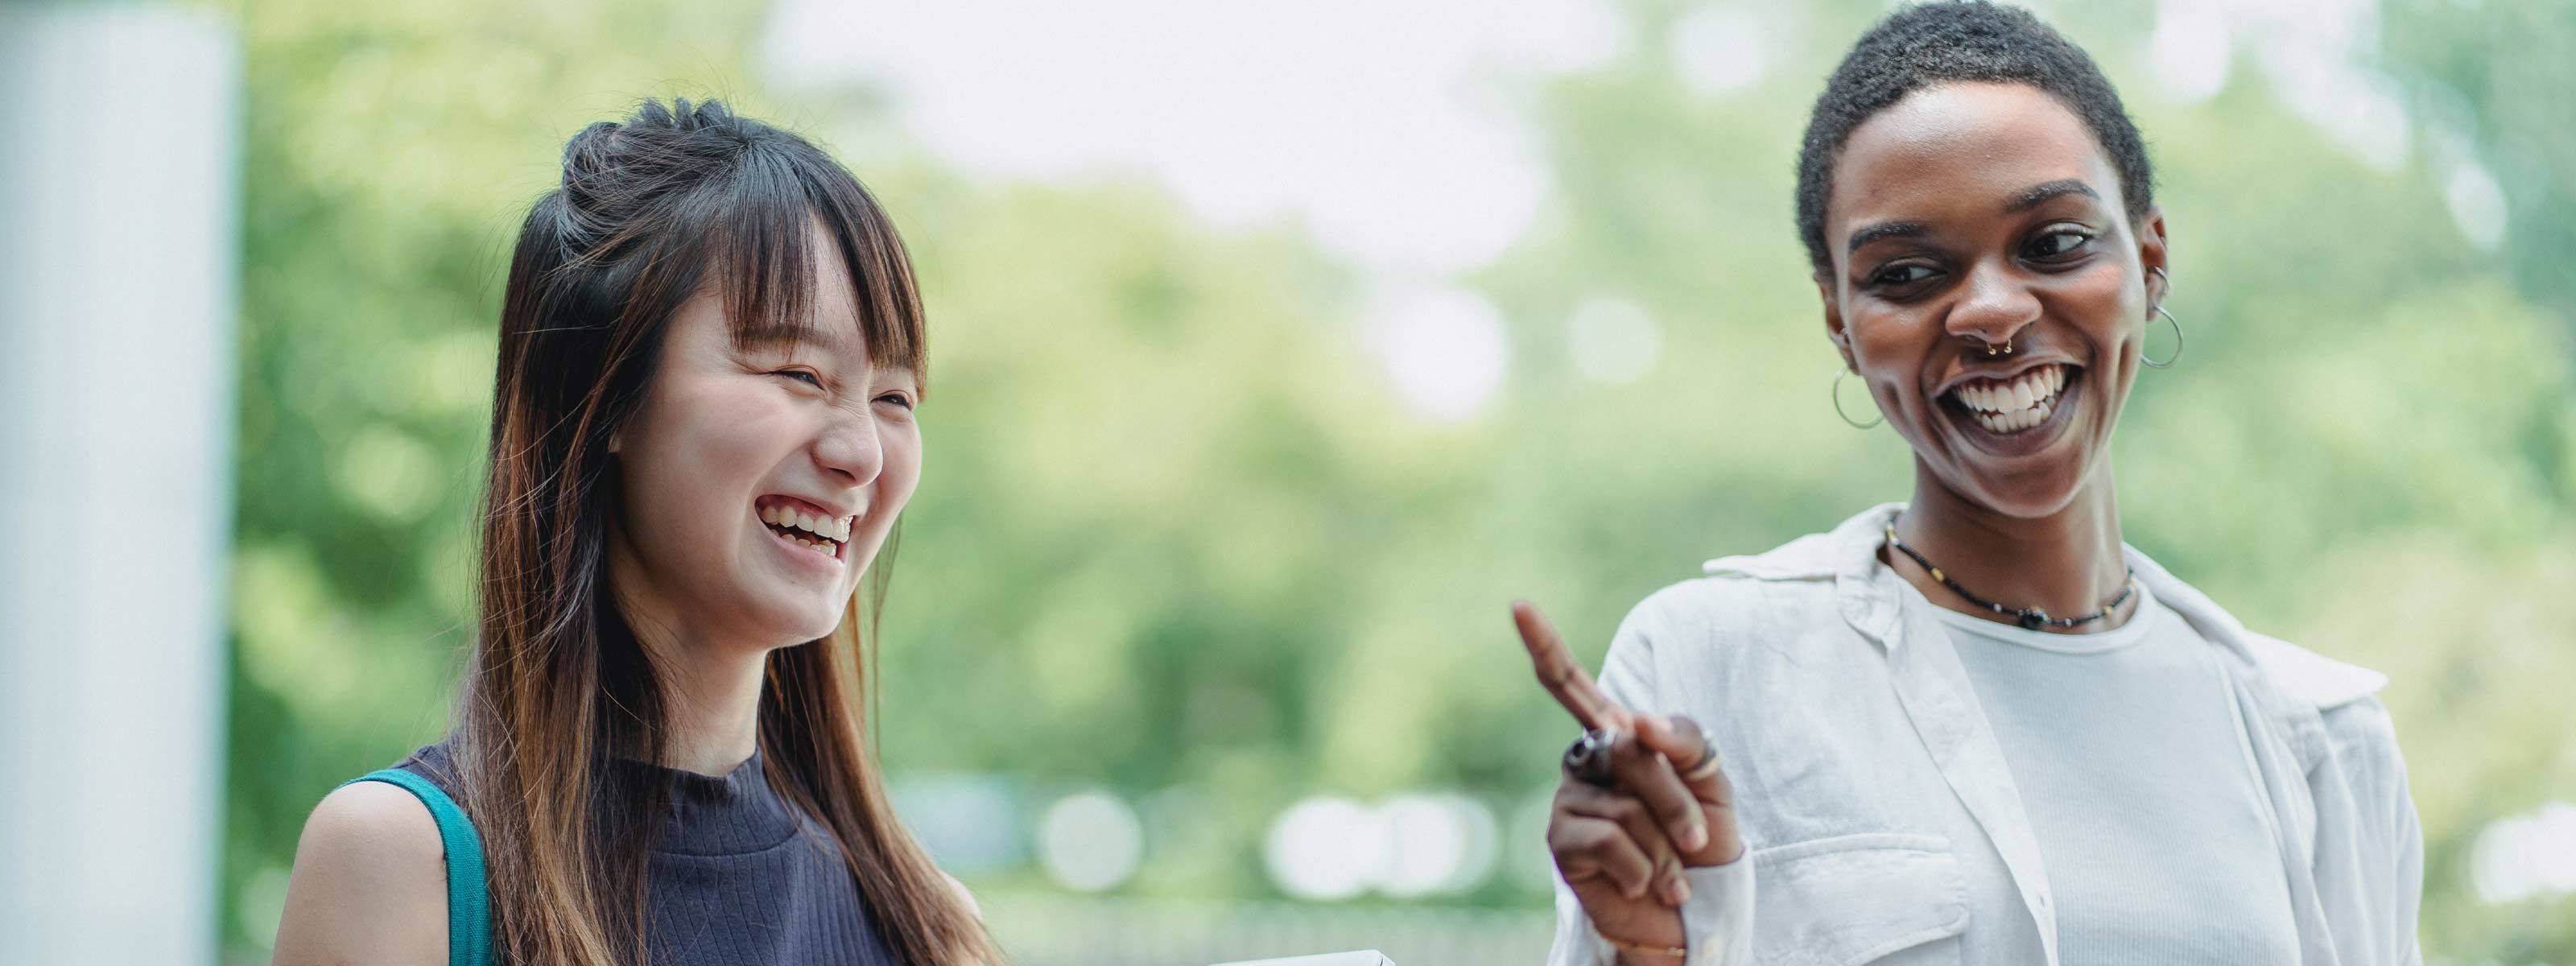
(1176, 532)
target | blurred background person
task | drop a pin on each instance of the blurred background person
(1321, 323)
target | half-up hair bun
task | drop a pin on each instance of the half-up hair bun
(683, 117)
(589, 171)
(591, 151)
(615, 172)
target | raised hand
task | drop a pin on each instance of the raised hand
(1622, 846)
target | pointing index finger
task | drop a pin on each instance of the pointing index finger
(1558, 672)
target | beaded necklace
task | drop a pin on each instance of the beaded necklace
(2031, 618)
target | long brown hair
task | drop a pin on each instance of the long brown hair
(651, 210)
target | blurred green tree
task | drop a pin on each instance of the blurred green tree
(2496, 76)
(1176, 532)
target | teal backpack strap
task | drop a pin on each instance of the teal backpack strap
(469, 904)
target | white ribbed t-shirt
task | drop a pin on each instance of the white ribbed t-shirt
(2140, 784)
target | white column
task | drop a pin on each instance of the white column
(119, 178)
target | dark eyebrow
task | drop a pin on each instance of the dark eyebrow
(2029, 198)
(2035, 195)
(1884, 229)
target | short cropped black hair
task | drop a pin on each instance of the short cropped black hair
(1935, 43)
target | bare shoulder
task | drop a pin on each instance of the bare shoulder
(964, 895)
(370, 883)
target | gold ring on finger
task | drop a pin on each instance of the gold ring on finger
(1708, 765)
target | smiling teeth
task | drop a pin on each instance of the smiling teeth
(825, 528)
(2012, 407)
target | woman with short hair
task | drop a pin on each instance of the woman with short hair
(1976, 726)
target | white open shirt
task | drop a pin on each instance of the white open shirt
(1881, 823)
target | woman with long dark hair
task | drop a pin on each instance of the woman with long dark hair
(711, 351)
(1976, 727)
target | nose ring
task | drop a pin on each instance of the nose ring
(1992, 351)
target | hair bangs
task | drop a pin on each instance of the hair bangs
(761, 245)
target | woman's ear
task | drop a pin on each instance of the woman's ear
(1834, 321)
(2151, 255)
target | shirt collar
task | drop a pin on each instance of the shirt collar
(1847, 555)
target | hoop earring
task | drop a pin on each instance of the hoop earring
(1837, 391)
(2169, 317)
(2169, 360)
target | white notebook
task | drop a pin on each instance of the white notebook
(1367, 957)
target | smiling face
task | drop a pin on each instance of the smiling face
(759, 481)
(1964, 216)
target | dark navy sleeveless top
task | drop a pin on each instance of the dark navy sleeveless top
(740, 877)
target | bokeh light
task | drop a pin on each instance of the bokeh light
(1436, 844)
(1090, 841)
(1613, 340)
(2527, 856)
(1444, 350)
(1326, 847)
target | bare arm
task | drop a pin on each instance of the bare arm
(370, 883)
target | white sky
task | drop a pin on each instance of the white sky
(1361, 117)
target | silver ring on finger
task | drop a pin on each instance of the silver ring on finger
(1588, 758)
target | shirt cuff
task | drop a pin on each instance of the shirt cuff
(1718, 917)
